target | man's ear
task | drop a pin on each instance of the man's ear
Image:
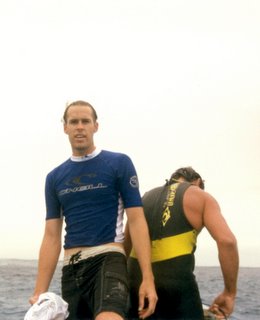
(65, 128)
(96, 126)
(196, 182)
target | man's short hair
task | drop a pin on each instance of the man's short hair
(79, 103)
(189, 174)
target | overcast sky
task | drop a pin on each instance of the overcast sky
(175, 83)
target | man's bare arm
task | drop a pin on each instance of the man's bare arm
(48, 257)
(140, 239)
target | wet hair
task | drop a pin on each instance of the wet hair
(188, 174)
(79, 103)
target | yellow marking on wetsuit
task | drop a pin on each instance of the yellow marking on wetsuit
(172, 247)
(166, 216)
(169, 202)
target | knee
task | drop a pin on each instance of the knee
(108, 315)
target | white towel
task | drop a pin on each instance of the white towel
(49, 306)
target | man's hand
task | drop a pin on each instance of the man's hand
(147, 299)
(223, 305)
(33, 299)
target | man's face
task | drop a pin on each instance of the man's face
(80, 128)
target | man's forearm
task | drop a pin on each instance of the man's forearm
(229, 261)
(141, 245)
(48, 260)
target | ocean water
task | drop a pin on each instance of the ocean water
(17, 281)
(248, 296)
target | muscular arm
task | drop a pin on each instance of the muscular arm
(48, 257)
(226, 243)
(227, 252)
(202, 210)
(140, 239)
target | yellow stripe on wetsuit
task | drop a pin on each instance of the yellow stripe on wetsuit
(172, 247)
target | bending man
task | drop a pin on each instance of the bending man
(176, 213)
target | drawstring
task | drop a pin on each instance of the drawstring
(75, 258)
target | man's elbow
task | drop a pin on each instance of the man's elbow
(229, 242)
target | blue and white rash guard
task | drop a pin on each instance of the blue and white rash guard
(91, 193)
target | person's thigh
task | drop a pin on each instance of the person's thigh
(70, 291)
(191, 306)
(178, 299)
(111, 292)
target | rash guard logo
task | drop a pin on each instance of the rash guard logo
(82, 188)
(134, 182)
(80, 180)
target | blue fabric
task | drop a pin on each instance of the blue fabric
(91, 194)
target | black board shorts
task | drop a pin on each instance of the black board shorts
(96, 284)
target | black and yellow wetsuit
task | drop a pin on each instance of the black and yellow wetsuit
(173, 247)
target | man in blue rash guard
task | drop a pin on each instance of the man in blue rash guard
(90, 191)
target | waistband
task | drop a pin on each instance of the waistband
(90, 252)
(172, 247)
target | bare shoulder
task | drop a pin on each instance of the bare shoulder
(202, 210)
(194, 196)
(197, 204)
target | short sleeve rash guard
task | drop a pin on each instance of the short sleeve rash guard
(91, 193)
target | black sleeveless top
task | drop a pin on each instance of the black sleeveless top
(171, 234)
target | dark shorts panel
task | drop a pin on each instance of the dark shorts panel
(96, 284)
(178, 294)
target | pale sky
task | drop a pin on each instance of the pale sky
(175, 83)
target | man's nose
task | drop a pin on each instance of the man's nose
(80, 124)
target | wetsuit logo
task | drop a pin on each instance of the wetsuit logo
(169, 203)
(166, 216)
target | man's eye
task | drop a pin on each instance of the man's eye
(73, 122)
